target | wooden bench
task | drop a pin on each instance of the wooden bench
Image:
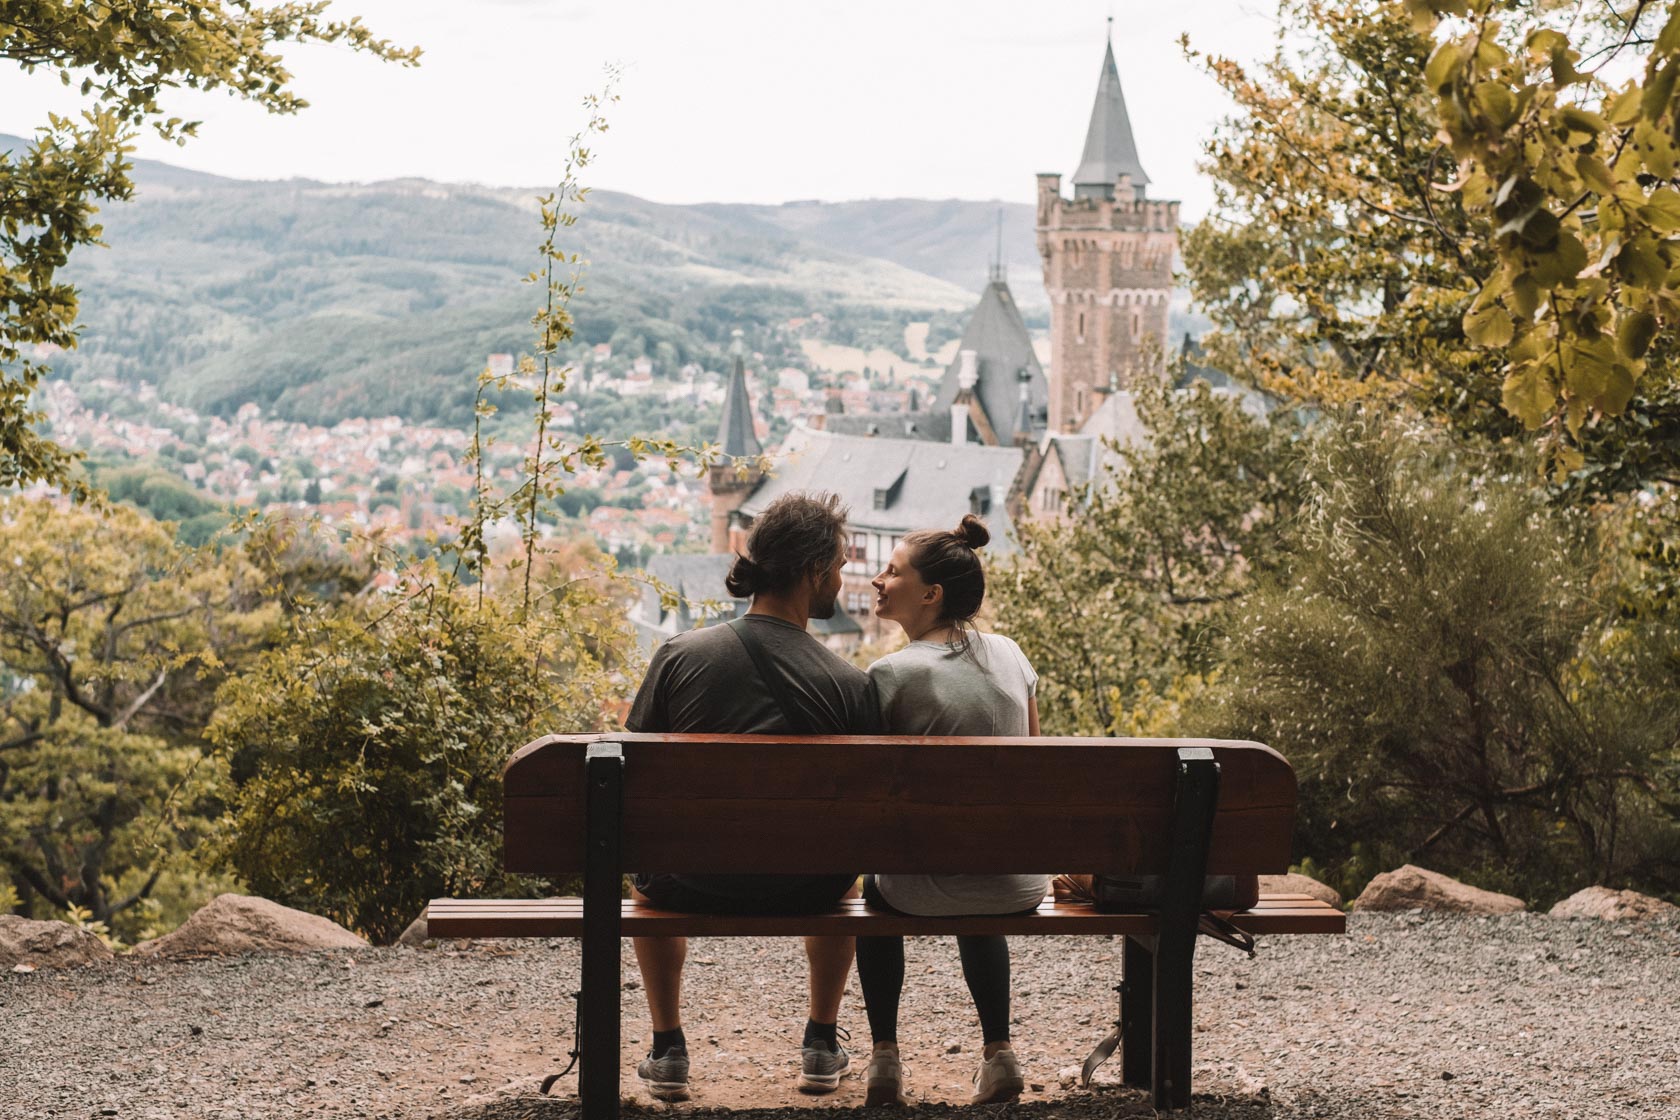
(751, 803)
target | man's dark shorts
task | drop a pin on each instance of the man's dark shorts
(744, 894)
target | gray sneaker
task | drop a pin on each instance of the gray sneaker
(820, 1068)
(666, 1078)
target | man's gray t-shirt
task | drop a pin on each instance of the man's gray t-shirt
(705, 681)
(930, 688)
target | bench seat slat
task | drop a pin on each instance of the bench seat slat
(564, 918)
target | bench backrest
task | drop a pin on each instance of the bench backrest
(758, 803)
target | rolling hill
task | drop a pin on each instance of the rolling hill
(320, 300)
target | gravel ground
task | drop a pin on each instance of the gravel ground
(1406, 1016)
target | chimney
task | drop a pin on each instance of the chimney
(959, 424)
(968, 369)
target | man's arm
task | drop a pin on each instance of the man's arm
(649, 711)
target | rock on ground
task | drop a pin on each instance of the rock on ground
(237, 923)
(33, 944)
(1300, 884)
(1613, 906)
(1412, 888)
(414, 936)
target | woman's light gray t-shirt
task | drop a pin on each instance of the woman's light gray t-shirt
(930, 688)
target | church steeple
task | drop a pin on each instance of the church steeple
(735, 429)
(733, 482)
(1110, 150)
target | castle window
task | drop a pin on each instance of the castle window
(1082, 326)
(1137, 324)
(1079, 400)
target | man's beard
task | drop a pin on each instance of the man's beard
(824, 608)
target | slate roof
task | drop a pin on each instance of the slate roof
(929, 425)
(1109, 147)
(917, 484)
(698, 577)
(735, 428)
(1254, 402)
(998, 336)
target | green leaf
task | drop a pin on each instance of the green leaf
(1624, 107)
(1653, 102)
(1662, 210)
(1618, 391)
(1525, 295)
(1488, 324)
(1640, 263)
(1539, 231)
(1496, 103)
(1579, 120)
(1668, 39)
(1594, 173)
(1634, 334)
(1561, 263)
(1528, 394)
(1443, 67)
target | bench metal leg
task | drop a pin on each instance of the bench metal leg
(1137, 1012)
(1195, 797)
(603, 875)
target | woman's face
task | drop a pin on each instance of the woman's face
(900, 594)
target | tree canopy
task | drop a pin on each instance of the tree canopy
(1466, 205)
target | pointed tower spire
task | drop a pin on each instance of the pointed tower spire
(732, 482)
(1110, 150)
(735, 430)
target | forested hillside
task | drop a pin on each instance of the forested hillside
(319, 301)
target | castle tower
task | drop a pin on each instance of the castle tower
(1108, 257)
(732, 483)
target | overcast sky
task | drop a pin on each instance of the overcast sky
(735, 100)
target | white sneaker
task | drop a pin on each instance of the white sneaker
(885, 1081)
(999, 1079)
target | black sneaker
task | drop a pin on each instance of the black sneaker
(666, 1078)
(820, 1067)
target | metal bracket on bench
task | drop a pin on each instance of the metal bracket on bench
(603, 878)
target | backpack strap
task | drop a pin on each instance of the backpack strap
(791, 715)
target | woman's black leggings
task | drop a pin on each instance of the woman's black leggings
(985, 965)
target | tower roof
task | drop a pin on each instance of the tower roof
(735, 430)
(999, 339)
(1110, 150)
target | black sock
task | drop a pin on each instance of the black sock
(826, 1033)
(664, 1040)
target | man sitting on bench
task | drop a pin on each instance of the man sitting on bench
(763, 672)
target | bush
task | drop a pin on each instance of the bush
(369, 749)
(1441, 668)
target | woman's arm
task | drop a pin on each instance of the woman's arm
(1032, 716)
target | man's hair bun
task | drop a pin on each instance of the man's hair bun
(743, 579)
(972, 532)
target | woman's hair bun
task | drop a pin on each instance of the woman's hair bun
(973, 532)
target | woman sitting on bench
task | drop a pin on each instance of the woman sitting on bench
(950, 680)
